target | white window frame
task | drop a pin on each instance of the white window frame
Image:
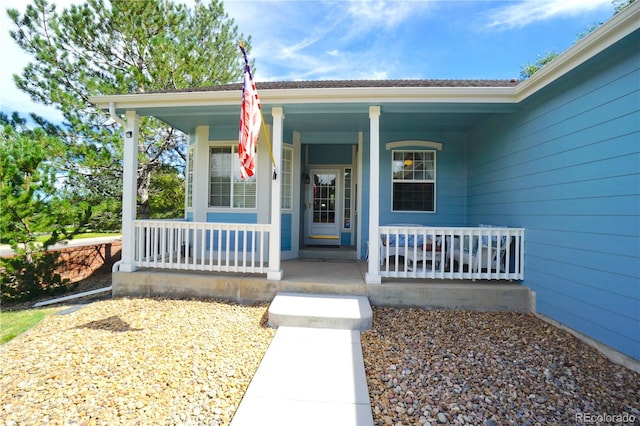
(189, 180)
(347, 189)
(286, 198)
(432, 180)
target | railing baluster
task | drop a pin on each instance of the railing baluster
(486, 252)
(465, 252)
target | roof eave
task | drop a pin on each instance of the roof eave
(281, 97)
(609, 33)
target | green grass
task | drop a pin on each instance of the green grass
(14, 323)
(43, 238)
(96, 234)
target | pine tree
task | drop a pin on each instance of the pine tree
(33, 202)
(117, 47)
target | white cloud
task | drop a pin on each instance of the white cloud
(527, 12)
(294, 40)
(387, 14)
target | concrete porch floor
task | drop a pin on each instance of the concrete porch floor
(327, 276)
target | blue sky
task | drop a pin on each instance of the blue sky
(317, 40)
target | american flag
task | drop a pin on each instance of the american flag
(250, 121)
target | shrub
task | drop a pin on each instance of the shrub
(25, 277)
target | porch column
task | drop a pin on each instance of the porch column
(373, 274)
(200, 189)
(359, 164)
(275, 272)
(129, 191)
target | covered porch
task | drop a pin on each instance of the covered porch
(382, 169)
(399, 251)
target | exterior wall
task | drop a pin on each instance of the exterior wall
(286, 232)
(330, 154)
(234, 216)
(567, 169)
(450, 180)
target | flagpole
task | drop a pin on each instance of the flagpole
(264, 126)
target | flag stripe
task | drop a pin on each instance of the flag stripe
(250, 120)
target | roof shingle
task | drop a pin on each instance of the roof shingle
(338, 84)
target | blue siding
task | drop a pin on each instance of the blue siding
(285, 231)
(567, 168)
(235, 216)
(451, 181)
(345, 238)
(224, 132)
(329, 154)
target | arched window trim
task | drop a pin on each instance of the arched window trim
(413, 143)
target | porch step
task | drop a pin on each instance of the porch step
(346, 252)
(344, 312)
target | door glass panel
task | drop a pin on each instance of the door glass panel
(347, 199)
(324, 198)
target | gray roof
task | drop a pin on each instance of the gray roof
(338, 84)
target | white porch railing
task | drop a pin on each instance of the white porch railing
(202, 246)
(475, 253)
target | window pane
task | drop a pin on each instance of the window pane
(287, 178)
(244, 190)
(413, 196)
(347, 199)
(190, 178)
(413, 180)
(220, 177)
(226, 188)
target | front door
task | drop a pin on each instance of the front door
(323, 210)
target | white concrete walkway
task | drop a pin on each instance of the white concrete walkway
(310, 375)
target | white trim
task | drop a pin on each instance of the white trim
(72, 296)
(297, 173)
(129, 190)
(188, 189)
(358, 194)
(201, 177)
(290, 148)
(409, 143)
(504, 95)
(373, 274)
(434, 181)
(263, 165)
(275, 271)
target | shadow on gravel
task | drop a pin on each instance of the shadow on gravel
(113, 323)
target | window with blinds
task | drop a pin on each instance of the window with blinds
(226, 187)
(286, 197)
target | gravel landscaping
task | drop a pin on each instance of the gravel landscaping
(452, 367)
(134, 361)
(185, 362)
